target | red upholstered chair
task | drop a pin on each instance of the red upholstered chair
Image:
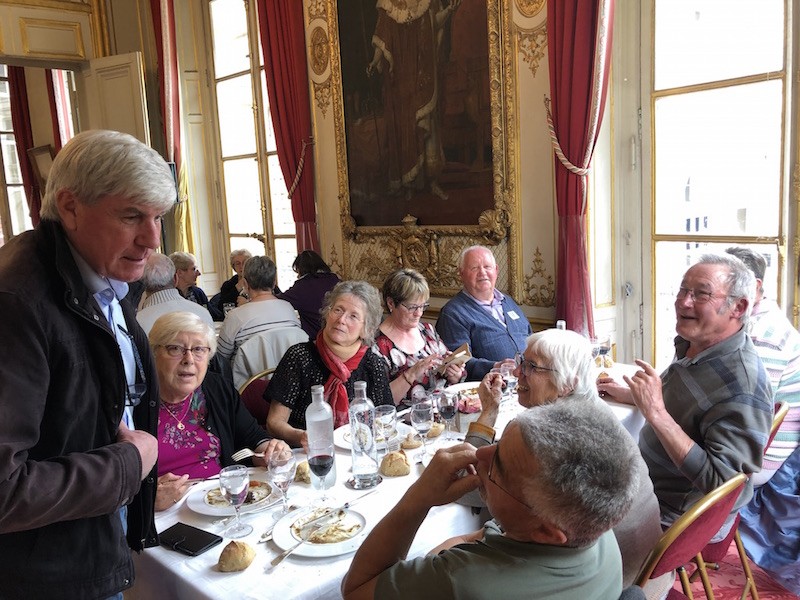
(252, 393)
(682, 541)
(714, 553)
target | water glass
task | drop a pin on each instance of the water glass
(386, 426)
(281, 467)
(422, 421)
(234, 483)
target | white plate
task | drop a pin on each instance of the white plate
(282, 535)
(460, 387)
(341, 436)
(196, 501)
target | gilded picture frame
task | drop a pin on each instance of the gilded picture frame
(413, 233)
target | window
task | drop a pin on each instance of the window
(258, 210)
(718, 142)
(14, 213)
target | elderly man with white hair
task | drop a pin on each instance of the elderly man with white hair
(162, 295)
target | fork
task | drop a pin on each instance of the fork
(307, 536)
(246, 453)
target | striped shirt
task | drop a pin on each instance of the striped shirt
(778, 344)
(249, 319)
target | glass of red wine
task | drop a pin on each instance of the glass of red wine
(320, 463)
(448, 406)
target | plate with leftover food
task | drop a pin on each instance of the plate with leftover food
(207, 498)
(339, 533)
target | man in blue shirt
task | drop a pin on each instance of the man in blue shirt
(491, 323)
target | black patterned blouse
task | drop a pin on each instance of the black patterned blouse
(301, 367)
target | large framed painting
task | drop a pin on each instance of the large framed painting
(426, 134)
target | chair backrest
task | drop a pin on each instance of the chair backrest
(252, 393)
(781, 408)
(687, 536)
(264, 351)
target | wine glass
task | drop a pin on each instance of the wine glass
(448, 406)
(282, 466)
(320, 463)
(507, 371)
(234, 483)
(422, 421)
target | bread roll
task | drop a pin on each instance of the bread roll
(303, 473)
(410, 442)
(395, 464)
(436, 430)
(236, 556)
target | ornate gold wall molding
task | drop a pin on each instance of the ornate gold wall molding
(333, 261)
(530, 8)
(372, 252)
(532, 43)
(319, 59)
(539, 286)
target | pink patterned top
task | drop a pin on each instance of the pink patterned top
(398, 362)
(184, 445)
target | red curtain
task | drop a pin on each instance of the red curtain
(51, 97)
(21, 121)
(579, 46)
(169, 91)
(280, 24)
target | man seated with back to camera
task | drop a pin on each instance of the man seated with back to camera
(556, 483)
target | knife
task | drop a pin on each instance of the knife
(330, 511)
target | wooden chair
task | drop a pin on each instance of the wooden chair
(685, 538)
(252, 393)
(714, 553)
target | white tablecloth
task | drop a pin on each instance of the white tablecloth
(163, 573)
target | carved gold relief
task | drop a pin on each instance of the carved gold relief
(530, 8)
(333, 261)
(320, 51)
(317, 9)
(539, 286)
(322, 96)
(532, 43)
(371, 252)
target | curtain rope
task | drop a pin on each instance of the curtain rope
(557, 147)
(300, 164)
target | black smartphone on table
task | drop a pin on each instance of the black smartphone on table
(188, 539)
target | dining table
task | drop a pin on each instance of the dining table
(164, 573)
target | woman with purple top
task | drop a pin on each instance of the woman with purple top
(306, 295)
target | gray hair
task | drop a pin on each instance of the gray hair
(183, 260)
(373, 313)
(259, 272)
(168, 327)
(241, 252)
(754, 260)
(463, 256)
(159, 273)
(99, 163)
(741, 281)
(587, 476)
(570, 354)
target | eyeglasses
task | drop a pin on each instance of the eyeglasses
(528, 366)
(415, 307)
(135, 391)
(697, 296)
(490, 478)
(350, 317)
(199, 352)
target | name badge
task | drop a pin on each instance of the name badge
(513, 315)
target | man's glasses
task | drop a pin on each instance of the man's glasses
(490, 477)
(528, 366)
(697, 296)
(135, 391)
(415, 307)
(175, 351)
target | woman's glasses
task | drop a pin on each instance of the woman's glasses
(528, 366)
(175, 351)
(415, 307)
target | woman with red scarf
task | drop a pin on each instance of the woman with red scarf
(338, 357)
